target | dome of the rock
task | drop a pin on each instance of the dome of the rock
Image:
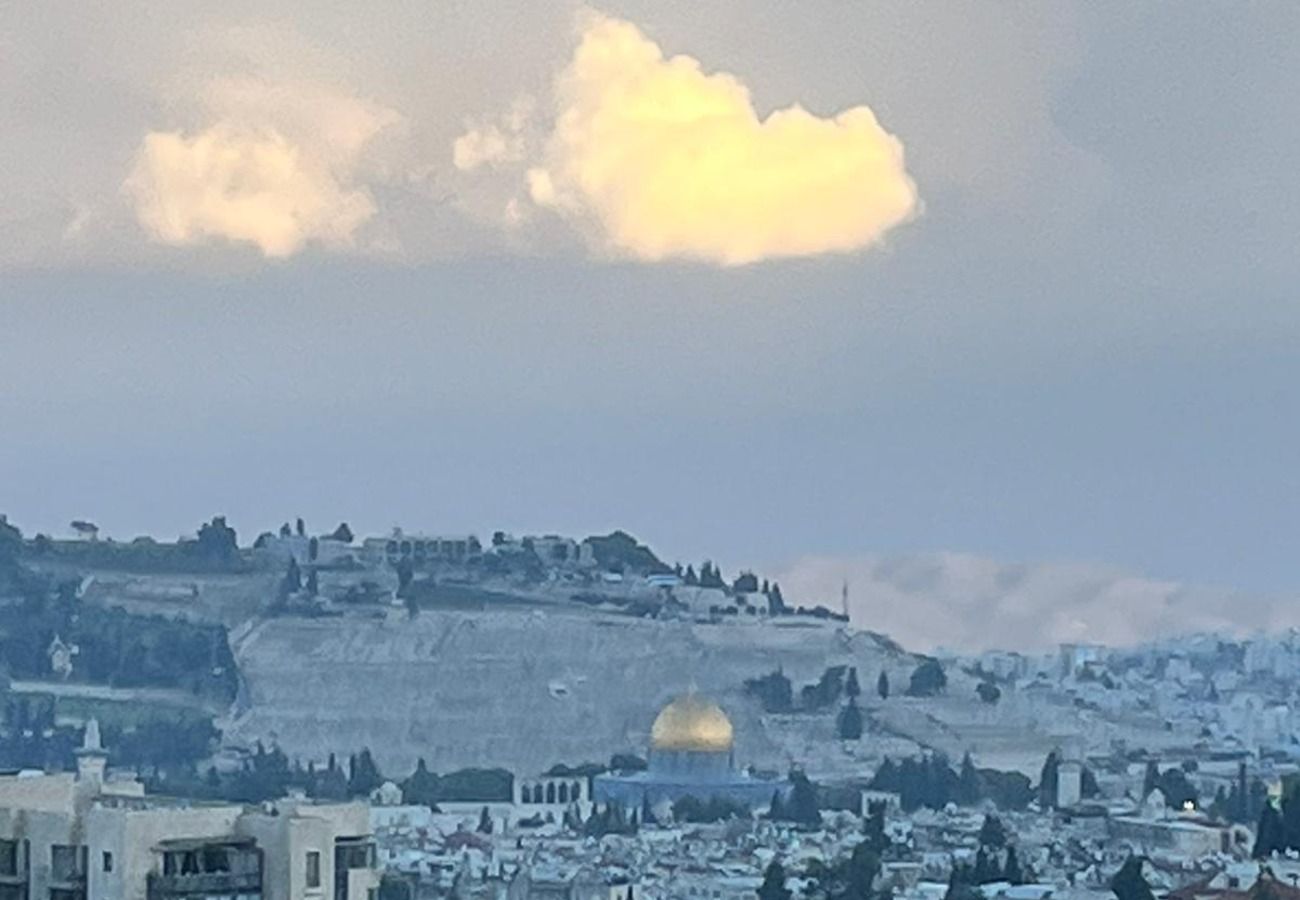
(693, 723)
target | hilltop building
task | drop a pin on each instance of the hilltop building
(692, 754)
(68, 836)
(420, 549)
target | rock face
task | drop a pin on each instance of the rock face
(519, 689)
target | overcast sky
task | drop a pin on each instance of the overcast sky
(758, 281)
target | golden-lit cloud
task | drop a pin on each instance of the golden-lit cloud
(658, 159)
(278, 168)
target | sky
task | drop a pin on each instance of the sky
(837, 292)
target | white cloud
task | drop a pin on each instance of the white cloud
(969, 602)
(278, 165)
(659, 159)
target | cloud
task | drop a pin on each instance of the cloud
(967, 602)
(490, 144)
(278, 166)
(658, 159)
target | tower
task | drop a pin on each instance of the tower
(92, 759)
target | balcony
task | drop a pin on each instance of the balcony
(167, 887)
(205, 867)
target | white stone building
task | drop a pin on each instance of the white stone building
(76, 836)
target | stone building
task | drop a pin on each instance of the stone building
(68, 836)
(691, 755)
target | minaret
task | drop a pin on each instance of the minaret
(92, 759)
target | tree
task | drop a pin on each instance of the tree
(421, 788)
(850, 722)
(961, 884)
(292, 583)
(987, 870)
(873, 829)
(1048, 781)
(313, 584)
(405, 575)
(928, 679)
(1270, 833)
(775, 602)
(300, 527)
(993, 834)
(861, 872)
(969, 790)
(773, 690)
(802, 806)
(773, 886)
(882, 685)
(485, 821)
(343, 534)
(710, 809)
(1011, 871)
(988, 692)
(1178, 789)
(331, 784)
(1129, 883)
(217, 540)
(1151, 779)
(776, 811)
(851, 686)
(363, 775)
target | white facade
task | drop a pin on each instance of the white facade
(73, 837)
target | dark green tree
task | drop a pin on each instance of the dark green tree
(861, 872)
(1151, 780)
(773, 886)
(1129, 882)
(851, 686)
(421, 787)
(1270, 833)
(882, 685)
(969, 789)
(1048, 780)
(802, 807)
(363, 774)
(987, 869)
(1011, 871)
(873, 829)
(217, 540)
(850, 722)
(993, 834)
(928, 679)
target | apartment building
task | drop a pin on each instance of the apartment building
(79, 836)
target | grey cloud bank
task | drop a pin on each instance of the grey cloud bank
(964, 602)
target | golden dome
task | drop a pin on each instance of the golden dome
(691, 722)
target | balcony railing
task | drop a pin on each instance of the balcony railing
(162, 887)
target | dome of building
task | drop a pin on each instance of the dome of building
(691, 722)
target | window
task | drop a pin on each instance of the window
(313, 868)
(68, 862)
(108, 861)
(9, 858)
